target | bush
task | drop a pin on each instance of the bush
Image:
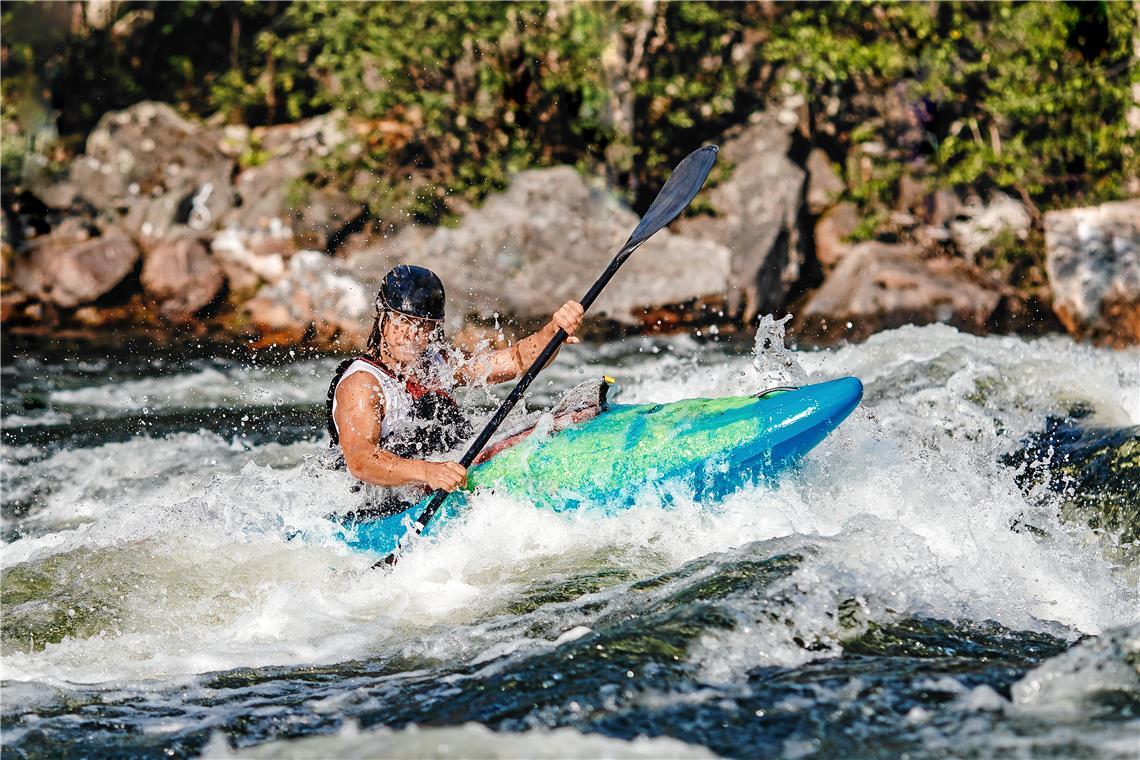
(446, 100)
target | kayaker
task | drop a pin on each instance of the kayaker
(391, 407)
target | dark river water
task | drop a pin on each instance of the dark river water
(952, 573)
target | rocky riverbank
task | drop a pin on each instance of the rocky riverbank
(172, 227)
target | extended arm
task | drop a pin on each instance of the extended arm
(509, 363)
(359, 411)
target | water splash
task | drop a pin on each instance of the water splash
(168, 555)
(774, 363)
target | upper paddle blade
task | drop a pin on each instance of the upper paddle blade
(679, 191)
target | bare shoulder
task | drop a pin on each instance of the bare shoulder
(359, 410)
(359, 388)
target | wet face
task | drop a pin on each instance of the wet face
(406, 338)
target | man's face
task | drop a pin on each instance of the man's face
(406, 338)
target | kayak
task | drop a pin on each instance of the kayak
(589, 453)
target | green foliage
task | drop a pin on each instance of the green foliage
(455, 97)
(173, 52)
(1029, 96)
(698, 75)
(446, 100)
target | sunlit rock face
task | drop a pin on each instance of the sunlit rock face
(1093, 261)
(157, 168)
(70, 272)
(877, 286)
(758, 209)
(182, 276)
(544, 241)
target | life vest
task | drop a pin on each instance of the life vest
(418, 420)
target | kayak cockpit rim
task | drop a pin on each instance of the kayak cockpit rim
(775, 391)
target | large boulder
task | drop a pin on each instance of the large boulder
(758, 210)
(315, 296)
(69, 273)
(277, 212)
(544, 241)
(1093, 262)
(182, 276)
(878, 286)
(157, 168)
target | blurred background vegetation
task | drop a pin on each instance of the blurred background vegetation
(444, 101)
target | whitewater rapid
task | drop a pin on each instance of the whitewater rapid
(175, 553)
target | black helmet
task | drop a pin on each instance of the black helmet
(414, 291)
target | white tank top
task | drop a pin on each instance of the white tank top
(397, 400)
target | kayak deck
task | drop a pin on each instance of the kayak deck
(603, 459)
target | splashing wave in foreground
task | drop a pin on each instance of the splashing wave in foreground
(912, 588)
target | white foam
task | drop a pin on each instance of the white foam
(297, 383)
(1065, 684)
(183, 553)
(471, 741)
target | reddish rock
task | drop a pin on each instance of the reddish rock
(71, 275)
(824, 185)
(158, 168)
(1093, 262)
(12, 304)
(832, 231)
(316, 295)
(757, 215)
(878, 286)
(182, 276)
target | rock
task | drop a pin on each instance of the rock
(60, 196)
(824, 185)
(242, 282)
(12, 304)
(878, 286)
(72, 274)
(321, 217)
(7, 249)
(315, 294)
(311, 138)
(757, 216)
(241, 262)
(235, 140)
(1089, 471)
(831, 233)
(945, 206)
(930, 236)
(544, 241)
(912, 195)
(71, 231)
(182, 276)
(158, 168)
(275, 214)
(984, 223)
(1092, 258)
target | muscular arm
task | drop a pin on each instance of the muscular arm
(359, 410)
(506, 363)
(509, 363)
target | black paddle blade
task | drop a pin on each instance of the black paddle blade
(679, 191)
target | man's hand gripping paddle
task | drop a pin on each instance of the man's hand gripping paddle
(684, 184)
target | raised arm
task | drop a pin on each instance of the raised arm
(359, 411)
(509, 363)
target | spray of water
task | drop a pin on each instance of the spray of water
(167, 556)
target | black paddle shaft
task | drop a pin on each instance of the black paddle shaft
(678, 192)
